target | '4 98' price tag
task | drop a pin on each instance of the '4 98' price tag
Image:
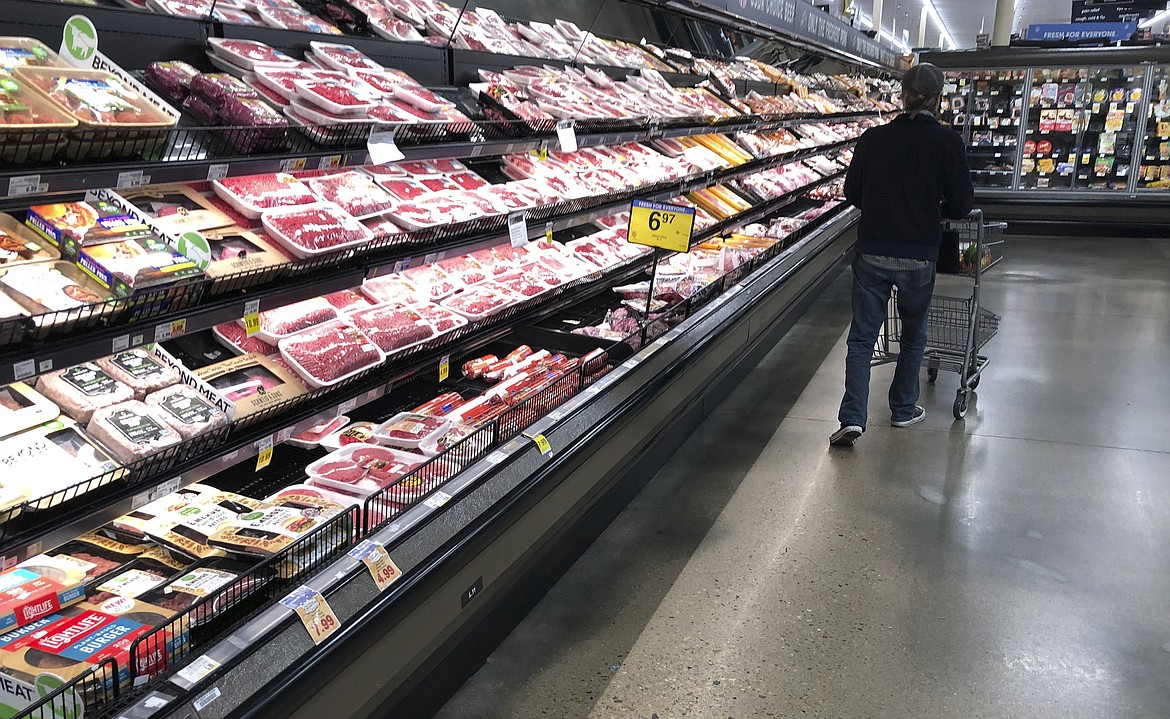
(314, 611)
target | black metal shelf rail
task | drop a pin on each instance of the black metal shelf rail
(163, 651)
(33, 345)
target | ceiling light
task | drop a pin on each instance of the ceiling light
(1164, 15)
(897, 43)
(938, 21)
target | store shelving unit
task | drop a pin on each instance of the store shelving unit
(1154, 167)
(985, 108)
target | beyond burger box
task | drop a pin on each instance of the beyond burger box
(38, 587)
(251, 383)
(176, 208)
(235, 250)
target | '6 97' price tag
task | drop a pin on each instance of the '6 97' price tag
(382, 568)
(314, 611)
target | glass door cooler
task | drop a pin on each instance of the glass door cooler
(984, 106)
(1154, 170)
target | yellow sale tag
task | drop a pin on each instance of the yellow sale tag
(265, 457)
(252, 323)
(382, 568)
(179, 328)
(542, 443)
(655, 224)
(314, 611)
(444, 368)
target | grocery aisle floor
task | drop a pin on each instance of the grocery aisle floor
(1012, 565)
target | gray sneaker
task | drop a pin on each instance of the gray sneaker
(919, 415)
(846, 436)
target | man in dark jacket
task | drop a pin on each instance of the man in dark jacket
(905, 177)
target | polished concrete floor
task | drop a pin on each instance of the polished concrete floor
(1016, 564)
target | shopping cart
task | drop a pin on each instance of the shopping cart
(957, 328)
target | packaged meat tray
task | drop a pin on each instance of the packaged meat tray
(464, 270)
(186, 411)
(329, 353)
(51, 287)
(26, 52)
(96, 555)
(131, 527)
(441, 318)
(468, 180)
(309, 230)
(347, 300)
(282, 81)
(360, 432)
(95, 98)
(35, 588)
(265, 532)
(478, 302)
(445, 441)
(205, 578)
(235, 338)
(339, 95)
(82, 389)
(295, 20)
(140, 371)
(311, 438)
(523, 284)
(176, 208)
(355, 192)
(22, 407)
(250, 54)
(431, 281)
(171, 79)
(252, 383)
(72, 225)
(55, 460)
(131, 431)
(382, 227)
(24, 110)
(234, 251)
(409, 430)
(19, 245)
(343, 57)
(393, 329)
(394, 289)
(403, 188)
(396, 30)
(362, 469)
(251, 195)
(132, 265)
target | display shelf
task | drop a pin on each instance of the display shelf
(984, 107)
(1154, 166)
(99, 330)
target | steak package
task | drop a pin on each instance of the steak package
(132, 430)
(410, 430)
(252, 383)
(139, 370)
(185, 411)
(81, 389)
(362, 469)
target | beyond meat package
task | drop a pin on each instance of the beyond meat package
(176, 208)
(252, 383)
(53, 458)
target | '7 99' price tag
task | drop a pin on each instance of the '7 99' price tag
(314, 611)
(382, 568)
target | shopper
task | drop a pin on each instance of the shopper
(905, 177)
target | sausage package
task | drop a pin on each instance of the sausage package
(132, 430)
(139, 370)
(96, 555)
(83, 388)
(188, 529)
(132, 527)
(265, 532)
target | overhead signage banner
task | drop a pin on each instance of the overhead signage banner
(1115, 10)
(1111, 31)
(802, 19)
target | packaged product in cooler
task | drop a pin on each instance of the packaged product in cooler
(362, 469)
(51, 287)
(188, 529)
(438, 183)
(361, 432)
(343, 57)
(311, 229)
(235, 338)
(26, 52)
(445, 441)
(464, 270)
(54, 460)
(202, 109)
(139, 370)
(355, 192)
(382, 227)
(176, 208)
(480, 301)
(218, 87)
(265, 532)
(234, 251)
(22, 407)
(186, 411)
(347, 300)
(431, 281)
(131, 265)
(282, 81)
(338, 93)
(131, 430)
(311, 438)
(81, 389)
(250, 54)
(440, 405)
(295, 19)
(37, 587)
(95, 98)
(403, 188)
(171, 78)
(131, 527)
(19, 245)
(392, 289)
(252, 383)
(391, 328)
(96, 555)
(408, 430)
(280, 322)
(266, 128)
(441, 318)
(205, 578)
(266, 93)
(252, 194)
(523, 283)
(71, 225)
(468, 180)
(398, 30)
(329, 353)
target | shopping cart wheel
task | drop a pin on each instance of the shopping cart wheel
(960, 407)
(932, 373)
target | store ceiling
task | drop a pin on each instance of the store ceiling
(964, 17)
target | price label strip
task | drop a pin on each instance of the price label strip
(567, 136)
(541, 443)
(656, 224)
(265, 457)
(382, 147)
(382, 568)
(314, 611)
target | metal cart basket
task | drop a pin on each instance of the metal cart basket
(957, 328)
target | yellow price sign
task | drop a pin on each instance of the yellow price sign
(382, 568)
(252, 323)
(541, 442)
(264, 458)
(656, 224)
(315, 613)
(444, 368)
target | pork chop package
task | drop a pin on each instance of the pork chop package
(140, 371)
(132, 430)
(81, 389)
(186, 411)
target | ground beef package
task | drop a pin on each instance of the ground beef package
(140, 371)
(186, 411)
(132, 430)
(80, 390)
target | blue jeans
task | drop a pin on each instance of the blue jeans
(871, 295)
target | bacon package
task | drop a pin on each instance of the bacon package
(309, 230)
(326, 354)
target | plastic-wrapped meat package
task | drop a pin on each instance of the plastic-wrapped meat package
(523, 284)
(311, 229)
(347, 300)
(392, 289)
(464, 270)
(296, 20)
(131, 430)
(495, 260)
(186, 411)
(420, 97)
(266, 127)
(393, 29)
(250, 54)
(172, 79)
(408, 430)
(338, 93)
(480, 301)
(392, 328)
(361, 469)
(468, 180)
(439, 183)
(431, 281)
(407, 10)
(281, 322)
(403, 188)
(203, 110)
(505, 196)
(384, 81)
(343, 57)
(283, 81)
(594, 252)
(328, 353)
(217, 87)
(82, 389)
(236, 338)
(382, 227)
(355, 192)
(441, 318)
(139, 370)
(397, 111)
(542, 274)
(250, 195)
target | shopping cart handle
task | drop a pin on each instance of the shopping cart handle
(976, 214)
